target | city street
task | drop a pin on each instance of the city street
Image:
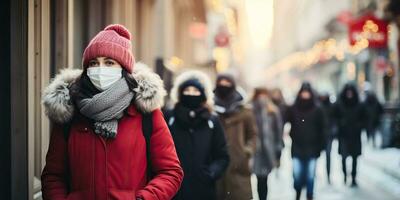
(175, 99)
(373, 183)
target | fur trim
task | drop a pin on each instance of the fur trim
(201, 77)
(150, 92)
(56, 99)
(59, 108)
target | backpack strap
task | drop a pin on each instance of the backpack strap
(147, 129)
(66, 130)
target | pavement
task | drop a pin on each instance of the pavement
(378, 177)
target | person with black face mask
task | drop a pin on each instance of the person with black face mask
(350, 118)
(240, 130)
(198, 135)
(307, 132)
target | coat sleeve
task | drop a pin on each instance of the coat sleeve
(250, 132)
(165, 163)
(55, 172)
(219, 151)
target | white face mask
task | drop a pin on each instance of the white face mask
(103, 77)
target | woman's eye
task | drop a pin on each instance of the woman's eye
(93, 63)
(109, 63)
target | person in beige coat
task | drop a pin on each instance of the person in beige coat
(240, 132)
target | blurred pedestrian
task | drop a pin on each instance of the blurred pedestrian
(330, 131)
(240, 131)
(350, 118)
(96, 150)
(374, 111)
(307, 132)
(269, 124)
(198, 135)
(279, 100)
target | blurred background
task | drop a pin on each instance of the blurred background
(272, 43)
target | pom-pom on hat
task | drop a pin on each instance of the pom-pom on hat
(113, 42)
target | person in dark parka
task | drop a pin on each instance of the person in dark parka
(307, 132)
(198, 136)
(350, 119)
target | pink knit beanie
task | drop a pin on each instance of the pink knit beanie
(113, 42)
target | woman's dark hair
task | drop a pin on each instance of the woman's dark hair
(132, 83)
(260, 91)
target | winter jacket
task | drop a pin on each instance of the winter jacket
(241, 134)
(330, 124)
(307, 131)
(350, 121)
(373, 111)
(87, 166)
(201, 147)
(269, 140)
(199, 140)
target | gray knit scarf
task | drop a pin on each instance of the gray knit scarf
(106, 107)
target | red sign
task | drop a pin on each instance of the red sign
(369, 27)
(222, 39)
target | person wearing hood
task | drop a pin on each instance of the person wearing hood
(198, 135)
(241, 134)
(350, 119)
(97, 147)
(269, 124)
(307, 122)
(330, 131)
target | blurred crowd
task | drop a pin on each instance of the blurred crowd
(222, 137)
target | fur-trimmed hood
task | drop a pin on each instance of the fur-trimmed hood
(60, 109)
(203, 79)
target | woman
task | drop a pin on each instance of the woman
(350, 117)
(278, 99)
(307, 132)
(101, 109)
(198, 136)
(269, 123)
(241, 134)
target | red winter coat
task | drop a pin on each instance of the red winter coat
(101, 169)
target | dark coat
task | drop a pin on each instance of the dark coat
(330, 124)
(350, 121)
(350, 118)
(202, 150)
(307, 131)
(373, 111)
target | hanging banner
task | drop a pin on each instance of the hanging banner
(370, 28)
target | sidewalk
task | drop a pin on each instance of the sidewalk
(388, 160)
(374, 181)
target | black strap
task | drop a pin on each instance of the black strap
(66, 129)
(147, 128)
